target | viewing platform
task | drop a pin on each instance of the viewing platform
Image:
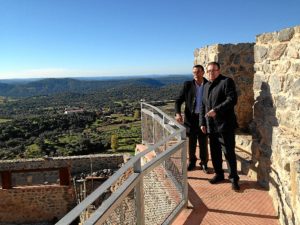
(217, 204)
(153, 187)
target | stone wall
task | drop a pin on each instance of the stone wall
(276, 123)
(77, 165)
(41, 202)
(36, 204)
(267, 76)
(237, 62)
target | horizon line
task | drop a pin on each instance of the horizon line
(96, 76)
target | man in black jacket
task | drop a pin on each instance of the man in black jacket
(191, 94)
(217, 118)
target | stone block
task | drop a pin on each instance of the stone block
(196, 52)
(295, 68)
(275, 84)
(265, 38)
(286, 34)
(277, 51)
(260, 53)
(293, 51)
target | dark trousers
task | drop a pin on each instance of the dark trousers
(223, 142)
(202, 140)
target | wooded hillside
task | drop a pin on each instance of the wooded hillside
(36, 118)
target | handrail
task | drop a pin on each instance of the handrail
(126, 188)
(110, 205)
(181, 128)
(75, 212)
(133, 179)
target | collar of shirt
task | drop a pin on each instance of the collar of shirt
(198, 85)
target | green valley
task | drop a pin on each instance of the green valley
(79, 120)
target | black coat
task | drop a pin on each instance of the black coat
(221, 96)
(188, 96)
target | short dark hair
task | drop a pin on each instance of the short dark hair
(214, 64)
(199, 66)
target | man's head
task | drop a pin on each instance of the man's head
(198, 72)
(213, 71)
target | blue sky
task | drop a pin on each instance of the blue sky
(67, 38)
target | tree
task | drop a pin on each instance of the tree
(114, 142)
(41, 143)
(136, 115)
(33, 151)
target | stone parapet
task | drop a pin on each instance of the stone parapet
(276, 122)
(267, 76)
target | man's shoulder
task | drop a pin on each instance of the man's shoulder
(226, 81)
(223, 77)
(188, 83)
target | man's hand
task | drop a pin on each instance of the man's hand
(211, 113)
(178, 118)
(203, 129)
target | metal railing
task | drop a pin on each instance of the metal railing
(151, 188)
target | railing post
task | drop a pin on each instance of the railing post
(153, 128)
(184, 168)
(164, 134)
(183, 135)
(142, 128)
(139, 191)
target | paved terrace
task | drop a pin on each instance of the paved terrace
(219, 205)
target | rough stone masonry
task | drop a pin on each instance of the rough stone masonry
(267, 75)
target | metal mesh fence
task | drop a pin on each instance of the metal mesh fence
(174, 167)
(163, 189)
(125, 213)
(147, 128)
(124, 207)
(155, 125)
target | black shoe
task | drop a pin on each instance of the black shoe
(191, 166)
(216, 179)
(204, 168)
(235, 186)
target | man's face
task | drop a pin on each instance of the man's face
(198, 74)
(212, 72)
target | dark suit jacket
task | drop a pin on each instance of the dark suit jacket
(221, 96)
(188, 96)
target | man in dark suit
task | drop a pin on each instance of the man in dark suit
(217, 118)
(191, 94)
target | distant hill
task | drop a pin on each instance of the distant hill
(52, 86)
(19, 80)
(5, 87)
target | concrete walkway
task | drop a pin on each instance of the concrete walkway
(219, 205)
